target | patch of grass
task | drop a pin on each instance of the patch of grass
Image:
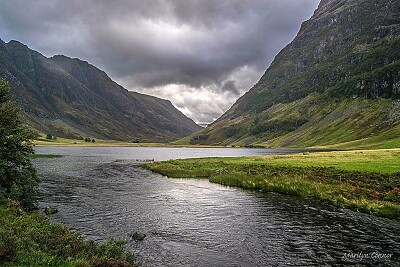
(29, 239)
(367, 181)
(382, 161)
(193, 168)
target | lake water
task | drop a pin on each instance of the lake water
(101, 192)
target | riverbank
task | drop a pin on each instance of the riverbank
(29, 239)
(367, 181)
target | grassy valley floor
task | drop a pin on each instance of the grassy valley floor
(367, 181)
(59, 141)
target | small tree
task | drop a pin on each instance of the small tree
(18, 179)
(49, 136)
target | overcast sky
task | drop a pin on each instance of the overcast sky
(200, 54)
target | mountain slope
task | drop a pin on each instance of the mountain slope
(71, 98)
(337, 81)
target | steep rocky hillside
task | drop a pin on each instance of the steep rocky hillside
(71, 98)
(337, 81)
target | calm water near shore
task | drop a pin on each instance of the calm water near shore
(101, 192)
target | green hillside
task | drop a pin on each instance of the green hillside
(337, 82)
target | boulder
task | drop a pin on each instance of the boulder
(50, 210)
(138, 236)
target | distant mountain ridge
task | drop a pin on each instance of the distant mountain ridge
(71, 98)
(338, 81)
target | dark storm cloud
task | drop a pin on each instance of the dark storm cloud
(230, 86)
(210, 46)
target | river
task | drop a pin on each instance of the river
(101, 192)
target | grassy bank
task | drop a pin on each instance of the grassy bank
(367, 181)
(29, 239)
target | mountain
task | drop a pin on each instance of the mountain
(72, 98)
(338, 81)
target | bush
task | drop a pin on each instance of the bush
(231, 131)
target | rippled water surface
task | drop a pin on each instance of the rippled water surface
(102, 192)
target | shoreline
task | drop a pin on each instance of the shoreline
(365, 181)
(168, 145)
(116, 144)
(32, 239)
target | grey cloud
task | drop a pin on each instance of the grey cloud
(230, 86)
(155, 43)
